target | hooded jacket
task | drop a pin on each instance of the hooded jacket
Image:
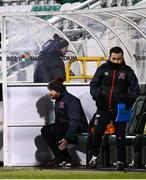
(113, 84)
(49, 66)
(69, 111)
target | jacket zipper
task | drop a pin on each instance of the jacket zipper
(112, 87)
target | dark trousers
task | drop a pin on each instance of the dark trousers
(100, 127)
(53, 134)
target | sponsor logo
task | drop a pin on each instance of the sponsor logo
(61, 105)
(121, 75)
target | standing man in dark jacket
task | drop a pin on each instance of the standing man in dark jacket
(114, 82)
(69, 120)
(50, 64)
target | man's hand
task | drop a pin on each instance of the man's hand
(63, 144)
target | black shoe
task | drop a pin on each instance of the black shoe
(120, 166)
(54, 162)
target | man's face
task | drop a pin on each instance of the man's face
(116, 58)
(53, 94)
(64, 50)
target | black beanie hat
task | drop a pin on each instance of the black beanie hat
(60, 42)
(57, 85)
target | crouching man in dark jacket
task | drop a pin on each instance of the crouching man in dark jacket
(69, 121)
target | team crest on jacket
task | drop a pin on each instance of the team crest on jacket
(121, 75)
(61, 105)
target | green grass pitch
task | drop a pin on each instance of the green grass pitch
(35, 173)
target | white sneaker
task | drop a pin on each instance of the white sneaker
(131, 164)
(68, 165)
(65, 164)
(62, 164)
(119, 165)
(93, 162)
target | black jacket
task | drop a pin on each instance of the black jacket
(50, 65)
(69, 111)
(114, 84)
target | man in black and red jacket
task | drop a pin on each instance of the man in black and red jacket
(114, 82)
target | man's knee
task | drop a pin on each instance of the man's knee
(45, 130)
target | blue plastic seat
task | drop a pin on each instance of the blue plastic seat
(123, 115)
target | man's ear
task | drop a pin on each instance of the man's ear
(58, 93)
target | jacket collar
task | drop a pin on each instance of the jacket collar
(62, 94)
(115, 66)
